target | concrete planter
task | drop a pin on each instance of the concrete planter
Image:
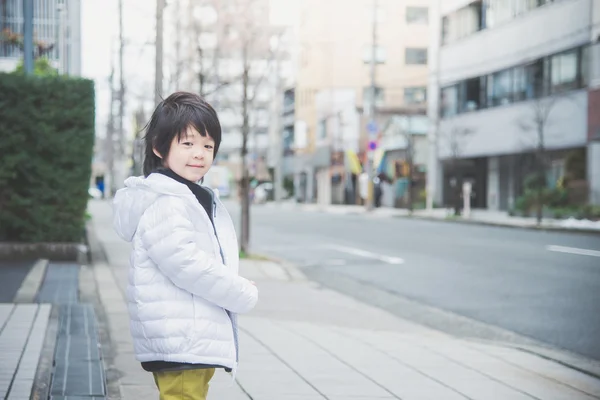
(52, 251)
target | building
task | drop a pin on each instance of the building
(335, 49)
(56, 31)
(509, 86)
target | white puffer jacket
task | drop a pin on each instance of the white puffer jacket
(182, 298)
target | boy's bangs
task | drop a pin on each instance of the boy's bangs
(197, 119)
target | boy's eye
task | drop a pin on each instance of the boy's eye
(187, 144)
(208, 146)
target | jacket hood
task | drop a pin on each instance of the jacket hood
(139, 193)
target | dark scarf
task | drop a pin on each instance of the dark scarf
(203, 196)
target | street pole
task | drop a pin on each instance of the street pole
(433, 98)
(62, 46)
(371, 111)
(158, 72)
(121, 138)
(110, 141)
(28, 36)
(278, 128)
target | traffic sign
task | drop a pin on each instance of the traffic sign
(372, 145)
(372, 128)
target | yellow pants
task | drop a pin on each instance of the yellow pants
(189, 384)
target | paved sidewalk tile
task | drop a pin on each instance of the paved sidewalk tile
(22, 332)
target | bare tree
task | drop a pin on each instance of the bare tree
(537, 121)
(242, 33)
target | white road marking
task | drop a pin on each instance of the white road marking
(366, 254)
(573, 250)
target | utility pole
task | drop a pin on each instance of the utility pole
(28, 36)
(109, 146)
(371, 112)
(158, 72)
(433, 97)
(278, 125)
(62, 38)
(121, 137)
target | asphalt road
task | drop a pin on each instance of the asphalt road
(12, 275)
(503, 278)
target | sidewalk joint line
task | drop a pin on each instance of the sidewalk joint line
(338, 358)
(537, 373)
(284, 362)
(407, 365)
(10, 313)
(472, 369)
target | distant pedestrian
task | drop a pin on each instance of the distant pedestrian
(184, 290)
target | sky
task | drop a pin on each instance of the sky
(100, 45)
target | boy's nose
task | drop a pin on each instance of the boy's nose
(199, 154)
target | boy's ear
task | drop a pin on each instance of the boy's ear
(157, 153)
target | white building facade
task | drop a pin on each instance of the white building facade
(56, 27)
(504, 69)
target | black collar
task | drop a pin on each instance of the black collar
(204, 197)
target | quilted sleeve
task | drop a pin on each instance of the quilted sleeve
(168, 237)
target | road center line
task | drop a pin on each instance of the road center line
(573, 250)
(366, 254)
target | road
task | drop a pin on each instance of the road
(503, 280)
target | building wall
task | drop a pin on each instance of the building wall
(556, 26)
(499, 130)
(45, 28)
(333, 46)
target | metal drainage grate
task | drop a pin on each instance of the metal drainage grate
(60, 285)
(78, 364)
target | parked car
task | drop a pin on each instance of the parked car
(265, 192)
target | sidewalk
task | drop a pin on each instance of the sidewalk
(485, 217)
(303, 342)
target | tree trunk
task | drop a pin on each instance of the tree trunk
(245, 184)
(410, 174)
(541, 156)
(539, 206)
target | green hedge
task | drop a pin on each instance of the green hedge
(46, 145)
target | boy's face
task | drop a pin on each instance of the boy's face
(191, 156)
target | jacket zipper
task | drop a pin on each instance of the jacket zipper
(231, 316)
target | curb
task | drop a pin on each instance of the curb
(557, 229)
(293, 272)
(32, 283)
(452, 220)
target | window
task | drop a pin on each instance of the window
(500, 88)
(449, 101)
(590, 61)
(548, 75)
(322, 129)
(379, 54)
(415, 95)
(379, 97)
(462, 22)
(415, 56)
(417, 15)
(520, 83)
(564, 68)
(471, 96)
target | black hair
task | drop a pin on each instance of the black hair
(172, 118)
